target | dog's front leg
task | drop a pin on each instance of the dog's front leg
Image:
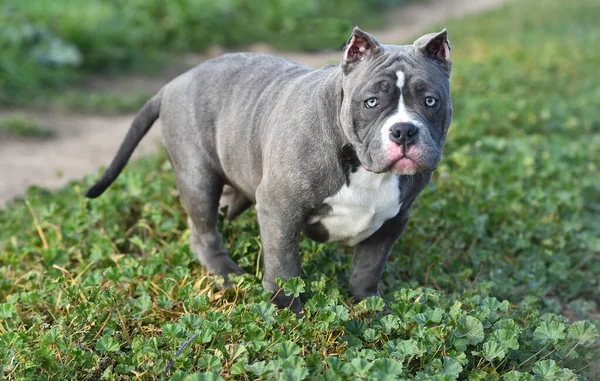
(280, 235)
(371, 255)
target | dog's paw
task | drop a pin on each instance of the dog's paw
(282, 301)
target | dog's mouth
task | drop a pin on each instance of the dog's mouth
(404, 165)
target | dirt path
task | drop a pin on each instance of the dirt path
(83, 143)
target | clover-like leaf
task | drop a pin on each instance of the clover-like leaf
(143, 303)
(515, 375)
(507, 339)
(451, 367)
(546, 370)
(389, 323)
(389, 367)
(471, 329)
(293, 286)
(204, 376)
(7, 310)
(549, 333)
(259, 368)
(584, 332)
(492, 351)
(358, 367)
(210, 362)
(374, 304)
(371, 335)
(107, 344)
(287, 349)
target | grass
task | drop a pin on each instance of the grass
(48, 44)
(20, 126)
(104, 102)
(502, 243)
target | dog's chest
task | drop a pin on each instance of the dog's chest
(359, 208)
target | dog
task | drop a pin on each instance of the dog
(338, 153)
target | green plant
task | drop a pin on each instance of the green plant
(105, 102)
(502, 243)
(21, 126)
(46, 44)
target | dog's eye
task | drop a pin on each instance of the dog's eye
(430, 102)
(371, 102)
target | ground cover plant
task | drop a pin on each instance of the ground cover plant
(45, 43)
(502, 243)
(20, 126)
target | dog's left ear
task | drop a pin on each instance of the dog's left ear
(436, 46)
(361, 46)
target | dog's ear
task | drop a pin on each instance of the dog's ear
(361, 46)
(435, 46)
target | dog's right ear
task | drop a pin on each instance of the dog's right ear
(361, 47)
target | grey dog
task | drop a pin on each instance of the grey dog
(339, 153)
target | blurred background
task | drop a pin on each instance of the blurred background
(73, 72)
(47, 43)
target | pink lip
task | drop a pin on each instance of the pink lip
(403, 163)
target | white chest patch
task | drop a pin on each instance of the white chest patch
(359, 210)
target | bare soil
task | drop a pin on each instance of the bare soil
(84, 143)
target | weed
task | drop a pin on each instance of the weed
(498, 244)
(22, 127)
(104, 102)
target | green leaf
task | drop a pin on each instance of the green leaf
(358, 367)
(107, 344)
(143, 303)
(549, 333)
(401, 349)
(430, 316)
(451, 367)
(371, 335)
(389, 367)
(259, 368)
(295, 374)
(389, 323)
(208, 376)
(507, 339)
(287, 349)
(373, 304)
(566, 375)
(7, 310)
(493, 350)
(471, 329)
(253, 332)
(210, 363)
(584, 332)
(293, 286)
(518, 376)
(266, 311)
(318, 286)
(546, 370)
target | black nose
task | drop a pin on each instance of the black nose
(403, 133)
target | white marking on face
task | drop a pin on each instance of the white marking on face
(402, 115)
(359, 210)
(400, 81)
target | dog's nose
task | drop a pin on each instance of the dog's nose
(403, 133)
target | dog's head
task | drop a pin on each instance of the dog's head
(396, 106)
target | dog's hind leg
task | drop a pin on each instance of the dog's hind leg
(200, 194)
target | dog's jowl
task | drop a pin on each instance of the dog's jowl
(339, 153)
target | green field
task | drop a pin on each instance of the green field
(502, 245)
(46, 44)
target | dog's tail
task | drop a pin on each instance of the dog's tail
(140, 126)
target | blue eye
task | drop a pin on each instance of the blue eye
(430, 102)
(371, 102)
